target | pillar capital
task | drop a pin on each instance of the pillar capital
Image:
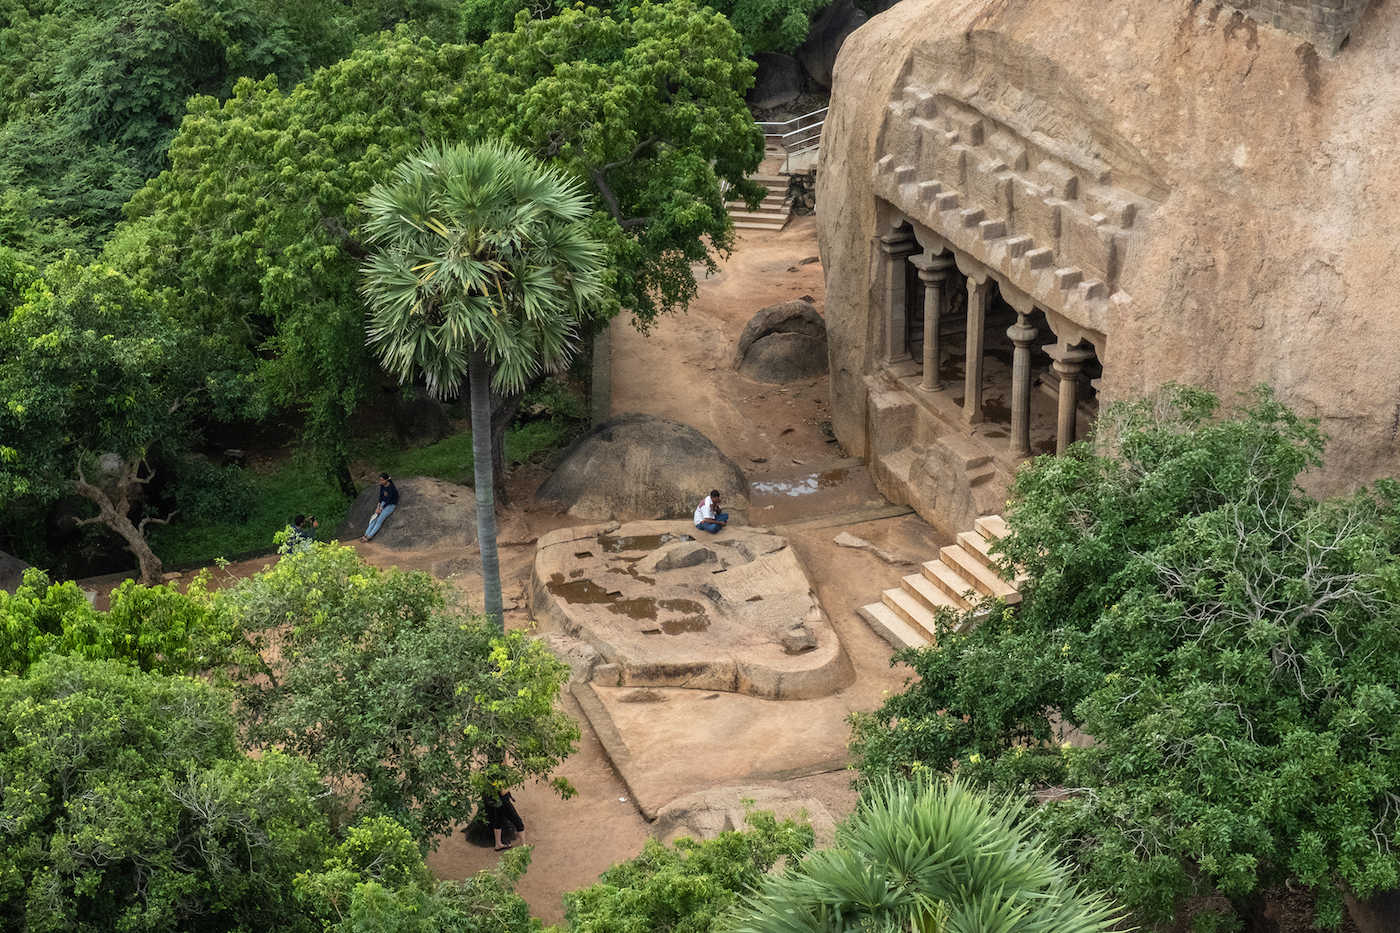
(932, 268)
(897, 244)
(1069, 355)
(1022, 333)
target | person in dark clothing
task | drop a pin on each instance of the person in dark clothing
(500, 807)
(304, 531)
(388, 501)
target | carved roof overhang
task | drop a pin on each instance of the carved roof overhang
(1012, 168)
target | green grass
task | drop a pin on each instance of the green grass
(279, 497)
(295, 488)
(449, 459)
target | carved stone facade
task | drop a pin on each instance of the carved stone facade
(1027, 210)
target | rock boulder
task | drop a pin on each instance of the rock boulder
(783, 343)
(641, 467)
(432, 513)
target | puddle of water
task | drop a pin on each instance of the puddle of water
(637, 608)
(575, 574)
(803, 485)
(688, 624)
(580, 591)
(614, 544)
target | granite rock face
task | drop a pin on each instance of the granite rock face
(1197, 196)
(432, 513)
(640, 467)
(734, 612)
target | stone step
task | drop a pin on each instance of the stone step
(891, 627)
(979, 547)
(929, 593)
(951, 583)
(912, 612)
(759, 225)
(984, 580)
(991, 526)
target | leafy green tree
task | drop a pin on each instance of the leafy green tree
(157, 629)
(1230, 643)
(413, 710)
(256, 224)
(126, 805)
(482, 270)
(92, 366)
(691, 888)
(928, 856)
(376, 881)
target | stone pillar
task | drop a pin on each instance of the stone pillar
(1021, 334)
(977, 295)
(933, 272)
(894, 249)
(1068, 363)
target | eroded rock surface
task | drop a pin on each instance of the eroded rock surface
(641, 467)
(432, 513)
(731, 612)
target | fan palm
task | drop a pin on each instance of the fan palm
(482, 269)
(927, 856)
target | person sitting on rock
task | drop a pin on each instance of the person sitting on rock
(708, 517)
(388, 501)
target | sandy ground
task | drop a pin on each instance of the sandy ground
(692, 740)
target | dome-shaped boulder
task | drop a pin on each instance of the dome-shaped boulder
(639, 467)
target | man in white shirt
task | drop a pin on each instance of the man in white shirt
(708, 517)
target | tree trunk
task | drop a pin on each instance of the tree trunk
(1251, 910)
(480, 378)
(114, 514)
(343, 478)
(504, 408)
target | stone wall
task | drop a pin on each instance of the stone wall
(1327, 24)
(1208, 200)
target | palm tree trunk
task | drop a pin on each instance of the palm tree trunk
(479, 375)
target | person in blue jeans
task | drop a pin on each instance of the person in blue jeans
(388, 501)
(708, 517)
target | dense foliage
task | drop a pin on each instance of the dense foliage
(91, 94)
(691, 888)
(1230, 643)
(96, 367)
(255, 226)
(927, 855)
(157, 628)
(412, 709)
(126, 805)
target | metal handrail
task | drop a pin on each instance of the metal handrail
(804, 138)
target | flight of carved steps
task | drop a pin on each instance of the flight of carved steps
(772, 213)
(963, 574)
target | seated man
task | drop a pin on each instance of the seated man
(304, 531)
(708, 517)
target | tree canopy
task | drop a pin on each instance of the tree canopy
(91, 94)
(95, 367)
(127, 806)
(1230, 643)
(412, 709)
(255, 226)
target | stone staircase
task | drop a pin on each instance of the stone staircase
(963, 574)
(772, 213)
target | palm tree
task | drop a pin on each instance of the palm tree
(927, 856)
(482, 269)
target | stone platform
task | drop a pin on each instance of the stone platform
(733, 612)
